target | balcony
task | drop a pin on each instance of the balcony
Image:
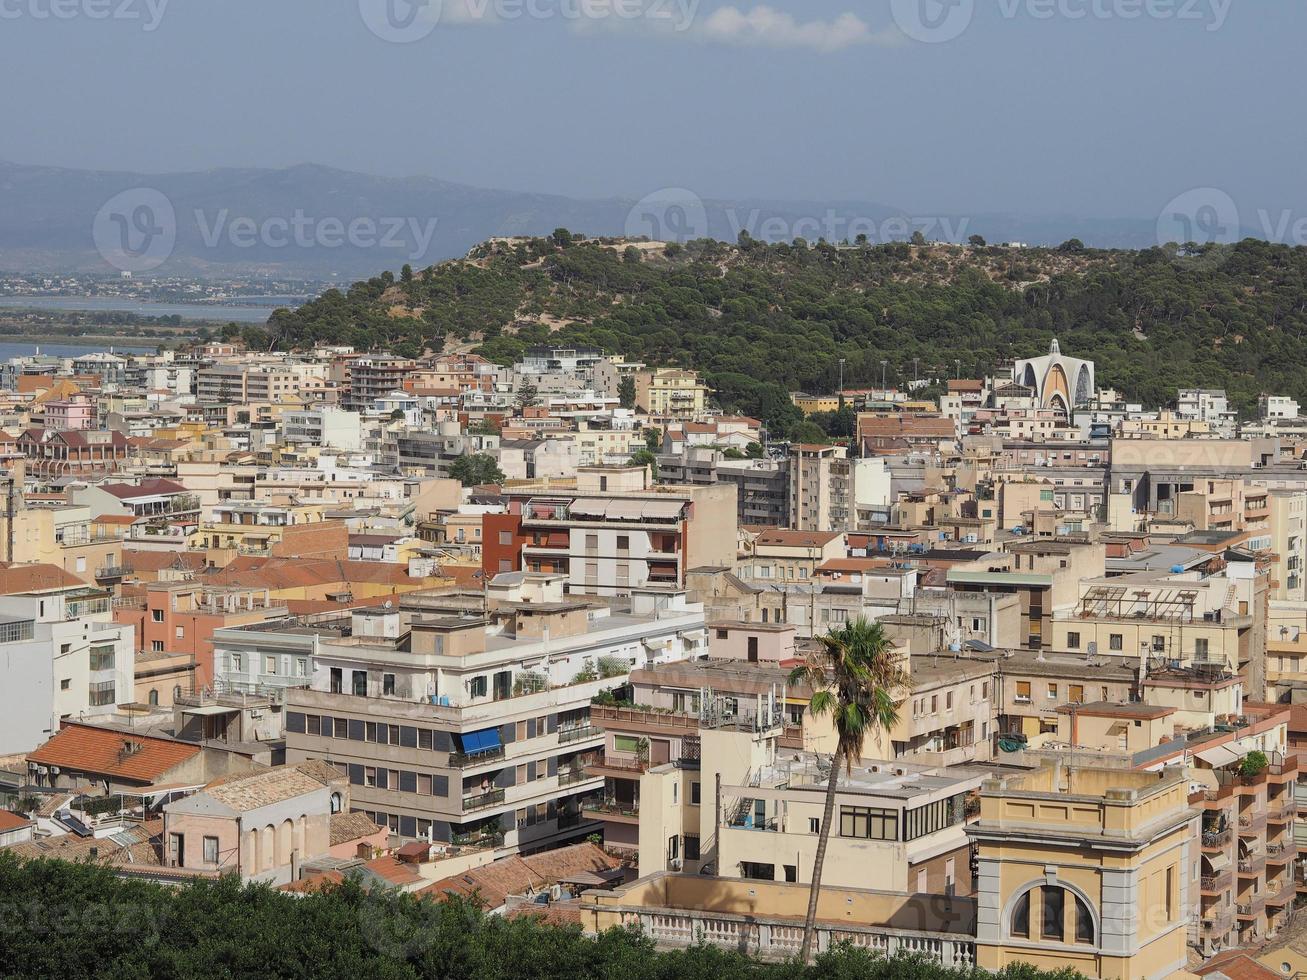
(641, 720)
(617, 767)
(1282, 853)
(1282, 810)
(1251, 907)
(1216, 840)
(1279, 895)
(567, 735)
(483, 800)
(466, 760)
(570, 777)
(1217, 922)
(1252, 865)
(1252, 824)
(1217, 883)
(612, 810)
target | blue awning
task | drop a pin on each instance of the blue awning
(486, 740)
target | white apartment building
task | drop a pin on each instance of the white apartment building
(61, 657)
(329, 427)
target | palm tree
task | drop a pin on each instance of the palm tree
(854, 679)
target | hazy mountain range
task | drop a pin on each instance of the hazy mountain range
(315, 221)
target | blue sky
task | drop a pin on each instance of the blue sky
(1096, 108)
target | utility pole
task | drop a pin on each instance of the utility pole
(958, 376)
(882, 378)
(842, 382)
(916, 374)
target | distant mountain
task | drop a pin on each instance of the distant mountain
(315, 221)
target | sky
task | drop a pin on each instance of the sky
(1096, 108)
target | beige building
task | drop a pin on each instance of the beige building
(670, 393)
(1085, 869)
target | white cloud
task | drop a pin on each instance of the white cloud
(765, 26)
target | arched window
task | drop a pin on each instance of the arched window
(336, 803)
(177, 693)
(154, 697)
(1047, 906)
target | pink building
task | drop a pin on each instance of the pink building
(70, 414)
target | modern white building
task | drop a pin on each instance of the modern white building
(1059, 382)
(329, 427)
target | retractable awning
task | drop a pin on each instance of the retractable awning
(1219, 862)
(589, 507)
(1218, 756)
(486, 740)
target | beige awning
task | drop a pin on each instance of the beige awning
(625, 510)
(1218, 756)
(1218, 861)
(664, 509)
(590, 507)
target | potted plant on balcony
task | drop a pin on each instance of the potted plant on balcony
(1254, 764)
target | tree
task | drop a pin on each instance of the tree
(977, 241)
(918, 238)
(1253, 764)
(528, 396)
(476, 470)
(855, 678)
(406, 274)
(562, 237)
(1073, 245)
(732, 453)
(643, 457)
(807, 432)
(754, 450)
(626, 392)
(653, 438)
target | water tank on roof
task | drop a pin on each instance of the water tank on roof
(1177, 569)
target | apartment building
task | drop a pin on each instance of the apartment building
(1032, 686)
(455, 729)
(951, 715)
(329, 427)
(374, 376)
(616, 534)
(1086, 869)
(1288, 545)
(61, 655)
(829, 490)
(762, 486)
(671, 393)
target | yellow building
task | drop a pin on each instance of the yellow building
(811, 404)
(670, 393)
(1085, 869)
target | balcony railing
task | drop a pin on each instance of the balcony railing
(465, 760)
(1216, 838)
(1217, 882)
(609, 716)
(1252, 907)
(612, 808)
(1218, 921)
(570, 777)
(566, 735)
(1252, 864)
(480, 802)
(1251, 824)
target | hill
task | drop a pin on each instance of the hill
(761, 320)
(234, 221)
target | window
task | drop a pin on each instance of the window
(626, 743)
(1200, 649)
(102, 694)
(238, 663)
(210, 850)
(695, 791)
(1115, 641)
(1073, 641)
(156, 615)
(302, 667)
(337, 680)
(1084, 922)
(1021, 917)
(181, 633)
(1052, 918)
(156, 646)
(505, 538)
(360, 681)
(477, 687)
(151, 698)
(948, 701)
(1052, 692)
(814, 825)
(868, 823)
(102, 658)
(1077, 694)
(388, 684)
(1023, 692)
(270, 665)
(1159, 644)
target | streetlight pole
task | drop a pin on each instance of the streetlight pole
(882, 380)
(916, 374)
(841, 382)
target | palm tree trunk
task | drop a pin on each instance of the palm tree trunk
(814, 890)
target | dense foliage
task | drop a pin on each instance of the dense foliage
(762, 320)
(72, 920)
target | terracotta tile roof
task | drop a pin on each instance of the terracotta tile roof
(393, 871)
(494, 882)
(123, 519)
(12, 821)
(102, 751)
(263, 789)
(323, 772)
(346, 827)
(158, 561)
(24, 579)
(1237, 965)
(314, 883)
(566, 913)
(137, 846)
(776, 537)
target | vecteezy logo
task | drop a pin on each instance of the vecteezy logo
(136, 230)
(933, 21)
(1204, 216)
(400, 21)
(672, 214)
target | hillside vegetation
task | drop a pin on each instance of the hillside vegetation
(762, 320)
